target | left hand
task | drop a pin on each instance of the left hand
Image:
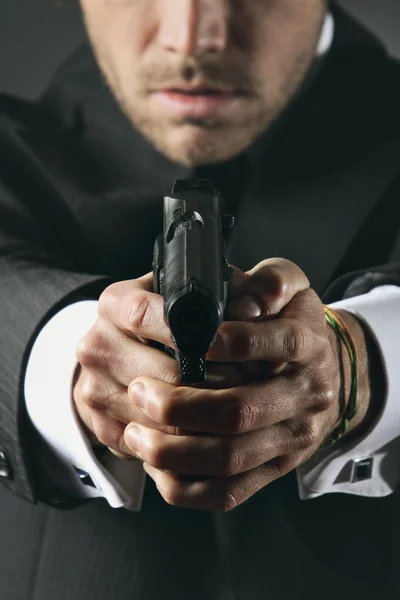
(238, 440)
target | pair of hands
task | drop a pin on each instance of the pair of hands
(271, 398)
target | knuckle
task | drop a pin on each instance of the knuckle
(295, 271)
(304, 385)
(111, 291)
(228, 460)
(107, 433)
(242, 414)
(322, 393)
(111, 299)
(309, 433)
(278, 283)
(297, 342)
(90, 393)
(93, 392)
(236, 341)
(94, 350)
(84, 352)
(108, 298)
(108, 360)
(326, 397)
(140, 313)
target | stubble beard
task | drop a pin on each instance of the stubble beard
(193, 142)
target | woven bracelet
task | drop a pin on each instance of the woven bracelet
(337, 323)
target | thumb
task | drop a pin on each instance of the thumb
(237, 290)
(265, 290)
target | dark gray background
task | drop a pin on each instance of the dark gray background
(35, 36)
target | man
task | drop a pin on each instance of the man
(292, 111)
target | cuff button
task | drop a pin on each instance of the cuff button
(84, 477)
(361, 469)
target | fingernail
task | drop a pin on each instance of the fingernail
(244, 308)
(133, 438)
(138, 394)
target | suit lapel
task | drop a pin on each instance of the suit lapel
(313, 221)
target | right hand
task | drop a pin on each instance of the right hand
(118, 349)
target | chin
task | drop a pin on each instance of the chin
(193, 146)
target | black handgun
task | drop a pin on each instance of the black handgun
(191, 271)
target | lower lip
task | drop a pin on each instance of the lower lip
(194, 106)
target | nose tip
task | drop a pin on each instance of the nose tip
(199, 29)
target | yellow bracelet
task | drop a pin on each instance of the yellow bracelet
(337, 323)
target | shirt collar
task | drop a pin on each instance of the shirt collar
(326, 37)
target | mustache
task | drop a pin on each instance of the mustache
(231, 75)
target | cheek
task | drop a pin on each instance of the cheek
(119, 30)
(284, 44)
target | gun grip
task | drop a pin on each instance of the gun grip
(191, 370)
(158, 265)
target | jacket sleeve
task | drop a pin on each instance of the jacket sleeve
(358, 283)
(31, 291)
(38, 276)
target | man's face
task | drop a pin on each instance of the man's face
(202, 79)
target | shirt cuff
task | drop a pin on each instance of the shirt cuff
(49, 401)
(333, 470)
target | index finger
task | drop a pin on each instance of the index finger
(134, 308)
(224, 412)
(291, 338)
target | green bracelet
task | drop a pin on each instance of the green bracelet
(335, 321)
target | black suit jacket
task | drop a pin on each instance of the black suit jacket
(80, 206)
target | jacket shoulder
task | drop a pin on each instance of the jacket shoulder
(20, 112)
